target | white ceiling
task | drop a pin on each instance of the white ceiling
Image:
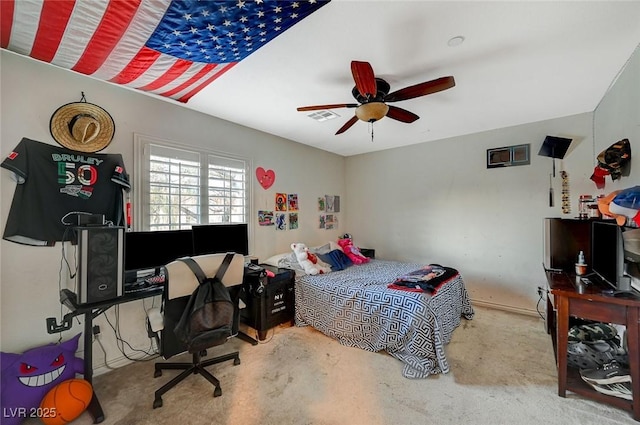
(520, 62)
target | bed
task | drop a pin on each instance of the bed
(356, 307)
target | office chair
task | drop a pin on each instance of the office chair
(181, 282)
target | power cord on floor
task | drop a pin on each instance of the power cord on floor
(96, 337)
(264, 341)
(541, 295)
(121, 342)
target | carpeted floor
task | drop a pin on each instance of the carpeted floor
(502, 372)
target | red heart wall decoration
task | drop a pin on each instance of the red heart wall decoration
(265, 177)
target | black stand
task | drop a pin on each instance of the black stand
(90, 311)
(236, 292)
(94, 406)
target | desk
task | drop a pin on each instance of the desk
(590, 304)
(90, 311)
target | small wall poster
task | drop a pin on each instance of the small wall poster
(321, 203)
(328, 203)
(322, 222)
(329, 221)
(265, 218)
(293, 221)
(281, 221)
(281, 201)
(293, 202)
(336, 203)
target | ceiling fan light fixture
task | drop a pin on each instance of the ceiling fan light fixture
(372, 111)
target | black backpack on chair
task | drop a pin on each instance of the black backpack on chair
(208, 318)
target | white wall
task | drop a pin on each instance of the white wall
(437, 201)
(32, 91)
(618, 114)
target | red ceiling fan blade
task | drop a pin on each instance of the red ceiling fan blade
(333, 106)
(400, 114)
(421, 89)
(347, 125)
(364, 78)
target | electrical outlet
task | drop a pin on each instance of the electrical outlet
(540, 291)
(96, 331)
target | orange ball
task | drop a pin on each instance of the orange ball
(65, 402)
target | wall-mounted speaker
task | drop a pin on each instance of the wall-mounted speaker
(100, 263)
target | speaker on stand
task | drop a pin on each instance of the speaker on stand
(100, 263)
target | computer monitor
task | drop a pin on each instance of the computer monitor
(220, 238)
(148, 250)
(607, 253)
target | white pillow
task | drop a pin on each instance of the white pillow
(326, 248)
(290, 261)
(275, 260)
(285, 261)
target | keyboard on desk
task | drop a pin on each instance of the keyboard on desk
(145, 284)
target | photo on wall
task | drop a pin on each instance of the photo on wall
(281, 201)
(265, 218)
(330, 221)
(321, 206)
(281, 221)
(322, 221)
(293, 221)
(329, 203)
(293, 202)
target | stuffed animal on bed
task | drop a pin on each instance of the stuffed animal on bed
(305, 258)
(352, 251)
(26, 378)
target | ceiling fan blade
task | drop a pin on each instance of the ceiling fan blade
(400, 114)
(364, 78)
(421, 89)
(333, 106)
(347, 125)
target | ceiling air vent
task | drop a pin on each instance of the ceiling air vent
(323, 115)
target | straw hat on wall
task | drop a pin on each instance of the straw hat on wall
(82, 126)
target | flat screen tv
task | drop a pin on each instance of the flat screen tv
(148, 250)
(220, 238)
(607, 253)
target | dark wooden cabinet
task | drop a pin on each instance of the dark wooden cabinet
(569, 300)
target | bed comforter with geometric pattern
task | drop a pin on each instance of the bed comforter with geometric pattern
(356, 307)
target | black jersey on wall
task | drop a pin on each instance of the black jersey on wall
(53, 182)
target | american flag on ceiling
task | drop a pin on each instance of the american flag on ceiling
(170, 48)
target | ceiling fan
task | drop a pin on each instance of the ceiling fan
(372, 93)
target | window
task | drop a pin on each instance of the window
(183, 186)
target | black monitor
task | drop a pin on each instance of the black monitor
(220, 238)
(148, 250)
(607, 252)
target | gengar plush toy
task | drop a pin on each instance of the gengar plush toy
(28, 377)
(352, 251)
(305, 260)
